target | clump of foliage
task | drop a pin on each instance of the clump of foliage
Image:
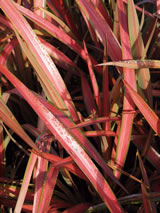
(79, 106)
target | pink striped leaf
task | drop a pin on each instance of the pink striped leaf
(87, 95)
(49, 72)
(56, 32)
(9, 119)
(97, 133)
(7, 50)
(141, 10)
(85, 143)
(78, 134)
(41, 169)
(138, 49)
(158, 6)
(129, 76)
(94, 121)
(106, 104)
(65, 13)
(134, 64)
(66, 163)
(44, 80)
(25, 184)
(8, 189)
(93, 81)
(147, 112)
(39, 4)
(101, 7)
(91, 30)
(47, 189)
(69, 142)
(60, 58)
(102, 28)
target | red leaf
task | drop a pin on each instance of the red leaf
(69, 143)
(103, 30)
(147, 112)
(82, 207)
(129, 76)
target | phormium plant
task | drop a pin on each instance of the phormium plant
(79, 106)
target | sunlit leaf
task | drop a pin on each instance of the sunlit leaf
(102, 28)
(129, 76)
(137, 46)
(26, 181)
(147, 112)
(9, 119)
(134, 64)
(68, 141)
(49, 70)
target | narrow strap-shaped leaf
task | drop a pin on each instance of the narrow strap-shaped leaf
(152, 155)
(1, 151)
(37, 4)
(134, 64)
(146, 201)
(143, 171)
(78, 208)
(25, 184)
(129, 76)
(94, 121)
(9, 119)
(56, 32)
(41, 169)
(85, 143)
(87, 95)
(60, 58)
(68, 141)
(65, 13)
(149, 205)
(91, 30)
(93, 81)
(97, 133)
(48, 188)
(141, 10)
(106, 104)
(83, 140)
(64, 163)
(101, 7)
(158, 6)
(138, 50)
(147, 112)
(49, 68)
(7, 50)
(102, 28)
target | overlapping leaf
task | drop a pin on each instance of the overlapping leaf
(129, 76)
(103, 30)
(147, 112)
(49, 72)
(9, 119)
(68, 141)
